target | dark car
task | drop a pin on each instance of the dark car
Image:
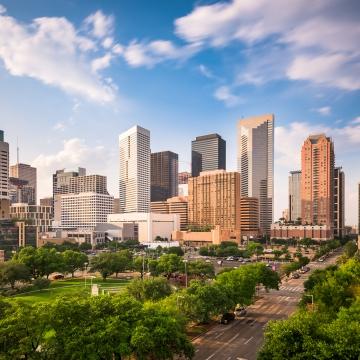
(58, 277)
(226, 318)
(295, 276)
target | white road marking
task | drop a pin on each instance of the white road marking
(227, 343)
(218, 335)
(248, 340)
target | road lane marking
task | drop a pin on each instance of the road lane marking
(248, 340)
(227, 343)
(218, 335)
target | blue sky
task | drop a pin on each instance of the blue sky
(75, 74)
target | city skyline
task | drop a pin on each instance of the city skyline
(82, 132)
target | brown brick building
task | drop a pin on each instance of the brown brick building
(249, 221)
(317, 181)
(214, 199)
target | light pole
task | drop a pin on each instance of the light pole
(312, 300)
(186, 275)
(85, 264)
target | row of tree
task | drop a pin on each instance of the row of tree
(330, 329)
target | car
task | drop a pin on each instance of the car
(208, 260)
(227, 318)
(321, 259)
(240, 311)
(247, 260)
(230, 258)
(58, 277)
(295, 276)
(241, 259)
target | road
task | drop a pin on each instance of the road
(241, 339)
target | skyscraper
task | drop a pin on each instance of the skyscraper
(27, 173)
(62, 178)
(134, 181)
(295, 195)
(208, 152)
(317, 181)
(256, 164)
(339, 202)
(4, 177)
(164, 175)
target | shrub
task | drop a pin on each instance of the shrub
(41, 283)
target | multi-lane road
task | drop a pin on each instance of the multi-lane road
(242, 338)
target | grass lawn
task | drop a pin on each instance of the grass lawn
(69, 287)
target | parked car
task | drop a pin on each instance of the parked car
(295, 275)
(240, 311)
(321, 259)
(58, 277)
(226, 318)
(230, 258)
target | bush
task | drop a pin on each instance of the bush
(41, 283)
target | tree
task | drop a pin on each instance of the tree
(27, 256)
(47, 261)
(149, 289)
(11, 272)
(200, 268)
(350, 249)
(121, 260)
(168, 264)
(85, 246)
(255, 248)
(139, 264)
(103, 264)
(177, 250)
(73, 261)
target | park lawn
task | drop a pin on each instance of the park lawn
(69, 287)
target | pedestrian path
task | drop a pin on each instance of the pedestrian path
(297, 289)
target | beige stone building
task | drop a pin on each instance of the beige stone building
(174, 205)
(214, 199)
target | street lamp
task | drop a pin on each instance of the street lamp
(186, 275)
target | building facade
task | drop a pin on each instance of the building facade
(175, 205)
(39, 216)
(146, 227)
(249, 220)
(295, 196)
(134, 180)
(21, 192)
(339, 202)
(27, 173)
(4, 178)
(84, 210)
(88, 183)
(48, 201)
(315, 232)
(184, 177)
(62, 178)
(317, 181)
(256, 164)
(214, 199)
(164, 175)
(208, 152)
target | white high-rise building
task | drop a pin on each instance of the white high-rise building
(134, 181)
(85, 210)
(4, 177)
(295, 195)
(256, 164)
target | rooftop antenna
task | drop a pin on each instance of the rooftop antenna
(17, 150)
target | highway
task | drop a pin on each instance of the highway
(241, 339)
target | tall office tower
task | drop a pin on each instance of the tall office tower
(214, 199)
(134, 181)
(62, 178)
(25, 172)
(256, 164)
(164, 175)
(339, 202)
(317, 181)
(295, 195)
(4, 178)
(208, 152)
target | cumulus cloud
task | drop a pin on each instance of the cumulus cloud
(224, 94)
(75, 152)
(52, 50)
(100, 25)
(318, 41)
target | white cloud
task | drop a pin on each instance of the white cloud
(75, 153)
(149, 54)
(101, 63)
(327, 69)
(204, 70)
(2, 9)
(317, 43)
(224, 94)
(100, 24)
(356, 120)
(59, 126)
(52, 50)
(325, 110)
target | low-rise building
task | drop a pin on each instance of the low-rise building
(36, 215)
(146, 227)
(315, 232)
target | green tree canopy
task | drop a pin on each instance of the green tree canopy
(73, 261)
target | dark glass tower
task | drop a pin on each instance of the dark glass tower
(208, 152)
(164, 175)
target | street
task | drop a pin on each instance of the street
(241, 339)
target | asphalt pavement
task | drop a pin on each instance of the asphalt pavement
(242, 338)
